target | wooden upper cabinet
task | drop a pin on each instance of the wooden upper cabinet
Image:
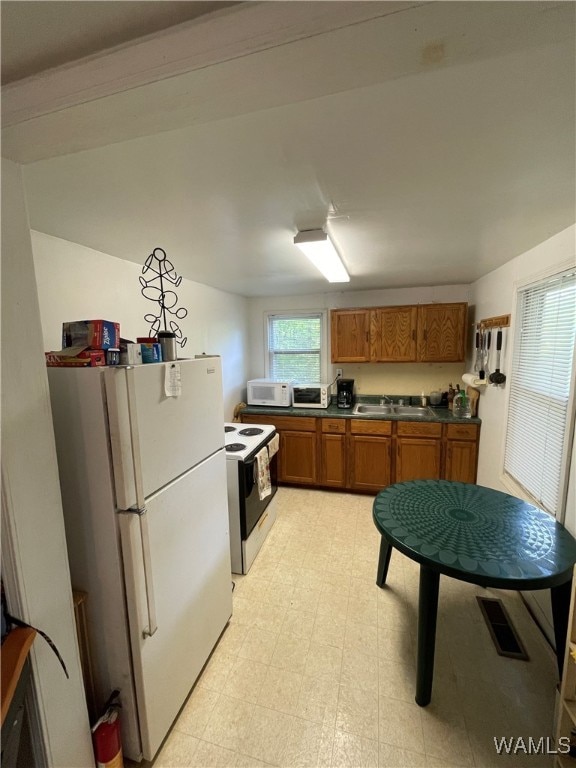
(442, 333)
(350, 335)
(427, 333)
(393, 334)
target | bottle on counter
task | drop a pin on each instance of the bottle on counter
(461, 406)
(451, 394)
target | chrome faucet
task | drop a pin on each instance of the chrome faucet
(384, 398)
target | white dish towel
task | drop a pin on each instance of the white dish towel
(262, 470)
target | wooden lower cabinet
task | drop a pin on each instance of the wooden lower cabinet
(370, 462)
(418, 458)
(298, 458)
(333, 463)
(461, 461)
(298, 455)
(368, 455)
(461, 452)
(418, 451)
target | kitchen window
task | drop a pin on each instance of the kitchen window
(296, 346)
(540, 409)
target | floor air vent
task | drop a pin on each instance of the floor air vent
(501, 628)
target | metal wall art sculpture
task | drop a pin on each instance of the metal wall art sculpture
(161, 271)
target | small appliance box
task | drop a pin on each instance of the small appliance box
(96, 334)
(151, 353)
(131, 354)
(75, 357)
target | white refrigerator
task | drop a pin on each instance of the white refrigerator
(143, 477)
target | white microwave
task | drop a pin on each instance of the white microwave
(311, 396)
(269, 392)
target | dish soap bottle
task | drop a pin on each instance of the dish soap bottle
(461, 406)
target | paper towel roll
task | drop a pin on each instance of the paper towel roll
(473, 380)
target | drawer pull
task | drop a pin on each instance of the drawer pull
(263, 519)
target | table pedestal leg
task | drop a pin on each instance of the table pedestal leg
(427, 613)
(383, 562)
(560, 596)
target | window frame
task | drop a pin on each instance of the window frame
(288, 314)
(508, 480)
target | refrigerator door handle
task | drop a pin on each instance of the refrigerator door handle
(147, 560)
(145, 564)
(135, 439)
(140, 505)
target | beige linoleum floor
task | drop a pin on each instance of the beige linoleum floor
(317, 665)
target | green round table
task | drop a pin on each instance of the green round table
(478, 535)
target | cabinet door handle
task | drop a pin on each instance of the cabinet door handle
(414, 335)
(425, 334)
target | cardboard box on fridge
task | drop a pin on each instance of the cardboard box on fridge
(75, 357)
(131, 354)
(95, 334)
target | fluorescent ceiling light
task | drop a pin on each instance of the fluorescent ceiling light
(316, 244)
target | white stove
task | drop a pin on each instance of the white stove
(251, 516)
(243, 439)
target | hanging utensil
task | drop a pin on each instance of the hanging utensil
(478, 353)
(487, 355)
(497, 377)
(481, 372)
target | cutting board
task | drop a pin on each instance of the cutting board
(473, 396)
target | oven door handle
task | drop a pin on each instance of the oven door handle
(250, 468)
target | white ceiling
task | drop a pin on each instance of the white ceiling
(38, 35)
(436, 141)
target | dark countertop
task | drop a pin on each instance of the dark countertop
(439, 415)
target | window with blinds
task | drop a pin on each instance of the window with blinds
(541, 381)
(295, 347)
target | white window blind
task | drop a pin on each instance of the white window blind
(295, 347)
(540, 384)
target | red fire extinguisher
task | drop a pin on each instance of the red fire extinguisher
(106, 735)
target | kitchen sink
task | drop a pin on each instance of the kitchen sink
(412, 410)
(362, 409)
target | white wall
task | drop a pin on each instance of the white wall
(35, 563)
(495, 294)
(76, 283)
(370, 378)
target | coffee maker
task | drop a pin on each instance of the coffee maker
(345, 393)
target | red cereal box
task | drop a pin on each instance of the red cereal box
(75, 357)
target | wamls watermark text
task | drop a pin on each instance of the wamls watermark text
(518, 745)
